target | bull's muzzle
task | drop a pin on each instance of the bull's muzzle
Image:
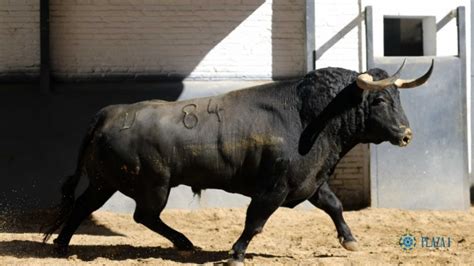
(406, 137)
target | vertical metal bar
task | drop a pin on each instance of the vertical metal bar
(472, 109)
(45, 75)
(369, 53)
(369, 37)
(461, 23)
(310, 38)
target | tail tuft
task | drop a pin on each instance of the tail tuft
(64, 209)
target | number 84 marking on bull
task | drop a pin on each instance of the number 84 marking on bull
(190, 119)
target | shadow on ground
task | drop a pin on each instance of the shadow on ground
(32, 249)
(11, 222)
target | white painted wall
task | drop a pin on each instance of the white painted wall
(197, 39)
(331, 17)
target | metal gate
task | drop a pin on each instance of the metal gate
(432, 172)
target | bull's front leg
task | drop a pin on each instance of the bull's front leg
(258, 212)
(326, 200)
(260, 209)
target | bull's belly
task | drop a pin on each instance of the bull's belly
(131, 172)
(201, 167)
(217, 175)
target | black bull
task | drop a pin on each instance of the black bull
(276, 143)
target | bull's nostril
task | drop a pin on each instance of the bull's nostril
(406, 138)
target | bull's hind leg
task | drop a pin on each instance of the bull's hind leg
(150, 203)
(92, 199)
(326, 200)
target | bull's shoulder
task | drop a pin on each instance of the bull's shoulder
(332, 71)
(275, 88)
(330, 78)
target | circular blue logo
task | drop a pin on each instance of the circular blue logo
(407, 242)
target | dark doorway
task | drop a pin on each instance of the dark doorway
(403, 37)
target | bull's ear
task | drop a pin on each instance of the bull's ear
(365, 81)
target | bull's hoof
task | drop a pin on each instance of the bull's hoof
(235, 259)
(233, 262)
(60, 249)
(350, 245)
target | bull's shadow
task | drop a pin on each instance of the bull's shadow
(32, 222)
(32, 249)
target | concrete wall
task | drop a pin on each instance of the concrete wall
(19, 38)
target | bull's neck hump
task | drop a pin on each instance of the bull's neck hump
(335, 120)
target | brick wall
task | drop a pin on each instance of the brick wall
(197, 39)
(19, 37)
(350, 180)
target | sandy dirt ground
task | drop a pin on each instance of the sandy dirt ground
(290, 237)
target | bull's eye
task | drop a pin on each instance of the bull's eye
(378, 101)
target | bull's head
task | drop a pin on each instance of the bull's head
(387, 120)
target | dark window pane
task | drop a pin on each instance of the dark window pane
(403, 37)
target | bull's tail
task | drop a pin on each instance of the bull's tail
(65, 207)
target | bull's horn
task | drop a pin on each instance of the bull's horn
(411, 83)
(366, 81)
